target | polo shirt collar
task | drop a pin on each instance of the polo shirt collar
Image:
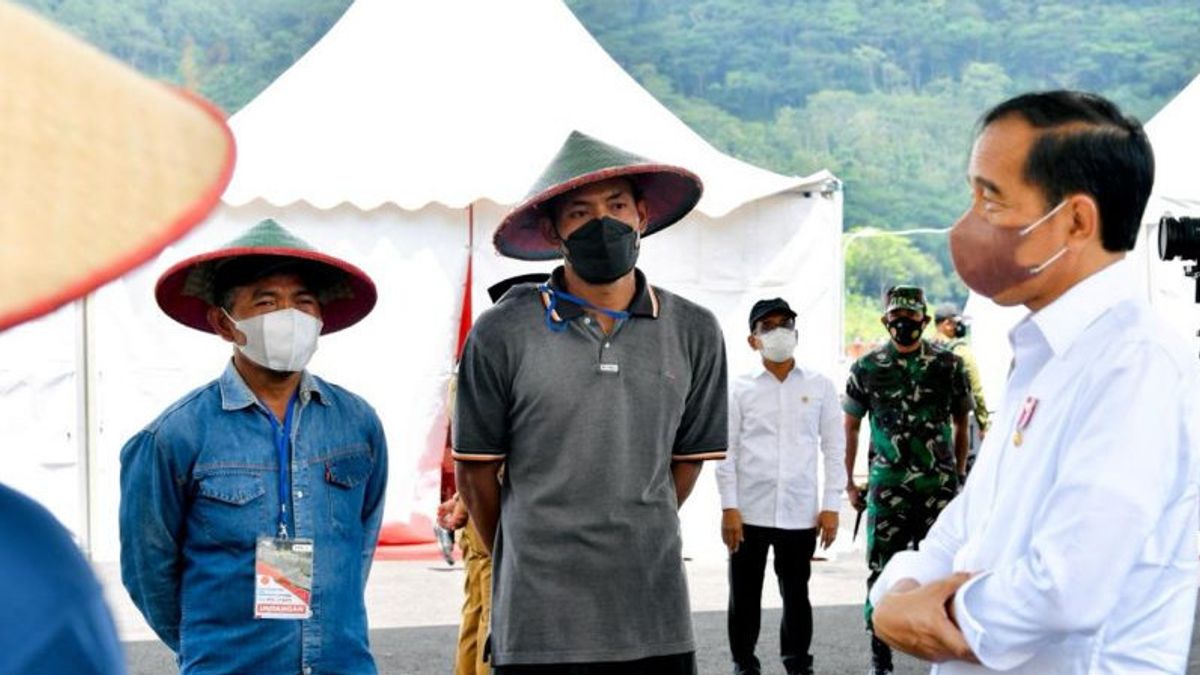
(644, 304)
(236, 394)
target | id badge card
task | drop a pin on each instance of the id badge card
(283, 578)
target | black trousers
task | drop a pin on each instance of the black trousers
(793, 566)
(673, 664)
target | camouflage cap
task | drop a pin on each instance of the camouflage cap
(905, 297)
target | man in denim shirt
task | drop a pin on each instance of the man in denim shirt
(202, 488)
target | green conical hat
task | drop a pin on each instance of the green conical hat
(670, 192)
(191, 286)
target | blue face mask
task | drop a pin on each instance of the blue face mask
(603, 250)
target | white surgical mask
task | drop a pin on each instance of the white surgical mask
(779, 344)
(283, 340)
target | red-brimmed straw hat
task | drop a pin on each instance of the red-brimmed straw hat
(102, 167)
(670, 192)
(191, 286)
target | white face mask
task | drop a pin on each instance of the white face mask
(779, 344)
(283, 340)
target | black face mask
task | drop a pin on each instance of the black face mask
(905, 331)
(603, 250)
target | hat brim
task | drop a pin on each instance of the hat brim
(336, 314)
(102, 168)
(670, 193)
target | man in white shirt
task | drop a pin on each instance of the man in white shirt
(1072, 548)
(779, 417)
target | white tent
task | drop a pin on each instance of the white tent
(397, 142)
(1175, 137)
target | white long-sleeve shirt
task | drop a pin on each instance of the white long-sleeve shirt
(776, 430)
(1083, 533)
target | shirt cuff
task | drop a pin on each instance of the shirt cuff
(989, 653)
(904, 565)
(476, 456)
(729, 498)
(832, 500)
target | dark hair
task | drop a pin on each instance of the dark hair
(1087, 145)
(550, 207)
(234, 273)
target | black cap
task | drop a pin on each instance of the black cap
(946, 310)
(498, 289)
(765, 307)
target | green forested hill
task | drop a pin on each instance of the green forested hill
(885, 93)
(882, 92)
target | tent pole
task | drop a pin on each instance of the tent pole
(83, 430)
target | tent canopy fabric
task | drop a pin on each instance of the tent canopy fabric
(1175, 134)
(510, 84)
(399, 143)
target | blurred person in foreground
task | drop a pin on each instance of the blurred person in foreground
(1073, 547)
(601, 395)
(251, 507)
(102, 169)
(784, 422)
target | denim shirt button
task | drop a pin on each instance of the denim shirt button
(307, 670)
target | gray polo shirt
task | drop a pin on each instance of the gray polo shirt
(587, 562)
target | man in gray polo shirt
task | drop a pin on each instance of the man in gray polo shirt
(602, 395)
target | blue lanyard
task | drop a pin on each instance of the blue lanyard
(283, 439)
(560, 326)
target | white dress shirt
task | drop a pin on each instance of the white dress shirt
(775, 431)
(1081, 519)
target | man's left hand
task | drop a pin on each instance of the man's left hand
(915, 620)
(827, 523)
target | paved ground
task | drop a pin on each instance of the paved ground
(414, 609)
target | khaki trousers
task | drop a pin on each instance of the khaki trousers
(477, 607)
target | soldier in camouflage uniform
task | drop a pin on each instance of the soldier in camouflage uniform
(950, 332)
(917, 396)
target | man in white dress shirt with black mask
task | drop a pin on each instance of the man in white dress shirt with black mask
(779, 416)
(1072, 548)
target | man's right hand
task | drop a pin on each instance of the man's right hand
(731, 529)
(857, 495)
(452, 513)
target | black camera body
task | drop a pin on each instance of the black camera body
(1180, 238)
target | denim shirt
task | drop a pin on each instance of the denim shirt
(200, 484)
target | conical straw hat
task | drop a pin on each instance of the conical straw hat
(101, 167)
(191, 286)
(670, 192)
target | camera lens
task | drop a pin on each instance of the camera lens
(1179, 238)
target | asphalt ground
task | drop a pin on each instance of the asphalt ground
(419, 602)
(414, 608)
(839, 646)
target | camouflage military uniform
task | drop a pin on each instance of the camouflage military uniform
(963, 351)
(911, 399)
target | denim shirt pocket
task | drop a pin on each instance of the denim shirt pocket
(230, 508)
(346, 476)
